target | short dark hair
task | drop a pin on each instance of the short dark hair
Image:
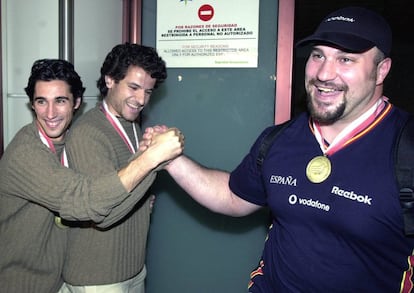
(123, 56)
(55, 69)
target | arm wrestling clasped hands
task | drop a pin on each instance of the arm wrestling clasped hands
(163, 143)
(162, 147)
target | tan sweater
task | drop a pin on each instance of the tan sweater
(103, 256)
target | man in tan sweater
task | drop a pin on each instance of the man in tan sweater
(104, 140)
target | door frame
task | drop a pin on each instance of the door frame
(131, 21)
(284, 70)
(1, 86)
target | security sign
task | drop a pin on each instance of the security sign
(201, 34)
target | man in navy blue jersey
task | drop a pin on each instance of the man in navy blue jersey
(328, 179)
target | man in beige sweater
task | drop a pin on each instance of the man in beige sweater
(104, 140)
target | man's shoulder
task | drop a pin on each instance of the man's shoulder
(25, 142)
(91, 119)
(400, 112)
(26, 135)
(90, 115)
(398, 117)
(92, 125)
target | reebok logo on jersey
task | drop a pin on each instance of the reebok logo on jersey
(351, 195)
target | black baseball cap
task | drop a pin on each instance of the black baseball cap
(354, 29)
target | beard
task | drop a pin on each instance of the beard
(322, 112)
(317, 112)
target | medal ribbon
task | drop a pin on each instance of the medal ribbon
(48, 142)
(353, 131)
(120, 129)
(63, 160)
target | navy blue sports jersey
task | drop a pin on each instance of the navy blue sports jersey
(344, 234)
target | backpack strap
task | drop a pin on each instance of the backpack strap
(404, 170)
(268, 141)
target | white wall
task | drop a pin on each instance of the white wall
(30, 31)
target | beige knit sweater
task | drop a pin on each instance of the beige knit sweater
(102, 256)
(33, 187)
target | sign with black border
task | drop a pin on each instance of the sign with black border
(194, 33)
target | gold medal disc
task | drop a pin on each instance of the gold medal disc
(318, 169)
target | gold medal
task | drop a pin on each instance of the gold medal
(58, 222)
(318, 169)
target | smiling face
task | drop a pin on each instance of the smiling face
(54, 106)
(342, 85)
(129, 96)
